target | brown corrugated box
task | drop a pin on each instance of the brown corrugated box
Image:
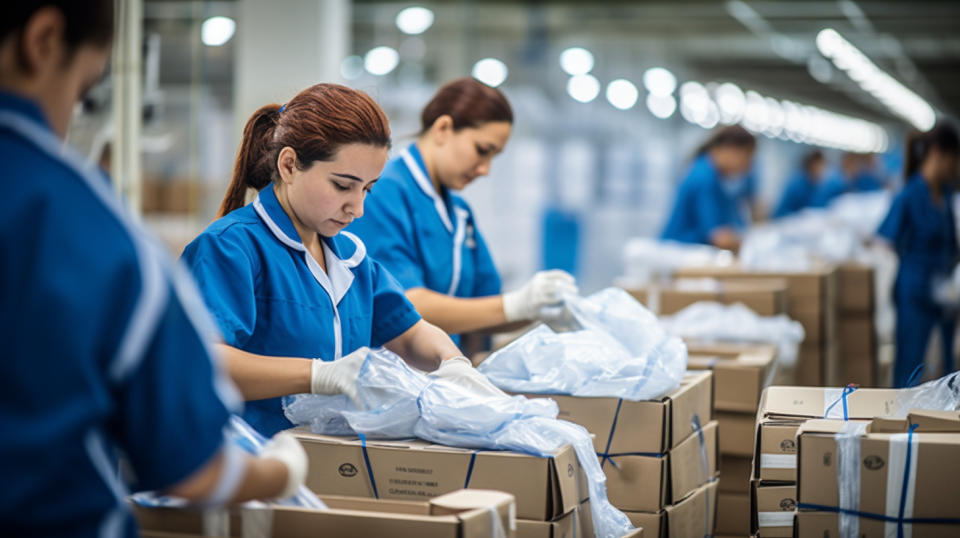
(827, 525)
(772, 509)
(819, 282)
(935, 453)
(692, 516)
(784, 409)
(858, 349)
(545, 488)
(585, 518)
(818, 364)
(653, 426)
(566, 526)
(735, 472)
(736, 433)
(647, 483)
(740, 372)
(765, 297)
(460, 514)
(733, 514)
(855, 292)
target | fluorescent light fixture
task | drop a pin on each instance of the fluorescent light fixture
(731, 102)
(414, 20)
(576, 61)
(659, 81)
(661, 106)
(381, 60)
(216, 31)
(583, 88)
(895, 96)
(622, 94)
(490, 71)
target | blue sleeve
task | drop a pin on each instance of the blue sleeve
(174, 406)
(893, 224)
(789, 202)
(387, 229)
(708, 212)
(487, 279)
(826, 191)
(393, 313)
(225, 274)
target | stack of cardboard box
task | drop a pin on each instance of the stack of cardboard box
(811, 300)
(765, 297)
(740, 373)
(856, 328)
(783, 412)
(660, 468)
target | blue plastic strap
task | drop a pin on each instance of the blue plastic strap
(906, 479)
(842, 399)
(613, 428)
(916, 375)
(366, 460)
(473, 459)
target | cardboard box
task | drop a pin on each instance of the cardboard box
(693, 516)
(827, 525)
(585, 517)
(819, 282)
(765, 297)
(772, 509)
(818, 364)
(647, 483)
(733, 514)
(855, 288)
(858, 350)
(461, 514)
(784, 409)
(740, 372)
(652, 426)
(545, 488)
(736, 433)
(735, 472)
(565, 526)
(934, 491)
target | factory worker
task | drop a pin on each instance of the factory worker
(103, 337)
(856, 174)
(921, 227)
(420, 229)
(799, 190)
(299, 300)
(709, 206)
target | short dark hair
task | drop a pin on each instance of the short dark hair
(87, 21)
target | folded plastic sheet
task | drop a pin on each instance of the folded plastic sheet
(400, 402)
(715, 322)
(612, 347)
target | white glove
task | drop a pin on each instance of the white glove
(285, 448)
(460, 371)
(339, 376)
(546, 288)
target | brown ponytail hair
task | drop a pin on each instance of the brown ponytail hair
(315, 123)
(469, 102)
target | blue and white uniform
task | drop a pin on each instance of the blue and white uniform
(837, 185)
(424, 238)
(797, 195)
(103, 347)
(271, 297)
(704, 204)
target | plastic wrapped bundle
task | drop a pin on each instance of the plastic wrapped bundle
(651, 259)
(940, 394)
(400, 402)
(616, 348)
(715, 322)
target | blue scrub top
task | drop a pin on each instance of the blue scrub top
(924, 236)
(271, 297)
(102, 346)
(702, 205)
(798, 194)
(837, 185)
(426, 239)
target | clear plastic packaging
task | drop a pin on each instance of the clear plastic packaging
(647, 259)
(940, 395)
(613, 347)
(715, 322)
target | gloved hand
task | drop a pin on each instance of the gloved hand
(285, 448)
(339, 376)
(546, 288)
(460, 371)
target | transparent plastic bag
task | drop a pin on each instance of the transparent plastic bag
(614, 347)
(939, 395)
(400, 402)
(647, 259)
(715, 322)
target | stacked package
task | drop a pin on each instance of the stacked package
(856, 326)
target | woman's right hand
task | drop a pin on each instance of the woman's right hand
(338, 376)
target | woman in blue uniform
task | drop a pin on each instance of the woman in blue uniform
(856, 174)
(426, 235)
(921, 227)
(798, 193)
(103, 340)
(709, 207)
(299, 300)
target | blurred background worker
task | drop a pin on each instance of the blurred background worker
(800, 188)
(710, 206)
(921, 227)
(425, 234)
(103, 340)
(298, 299)
(857, 173)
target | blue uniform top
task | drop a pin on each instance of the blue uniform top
(102, 346)
(837, 185)
(702, 205)
(924, 236)
(271, 297)
(426, 239)
(797, 195)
